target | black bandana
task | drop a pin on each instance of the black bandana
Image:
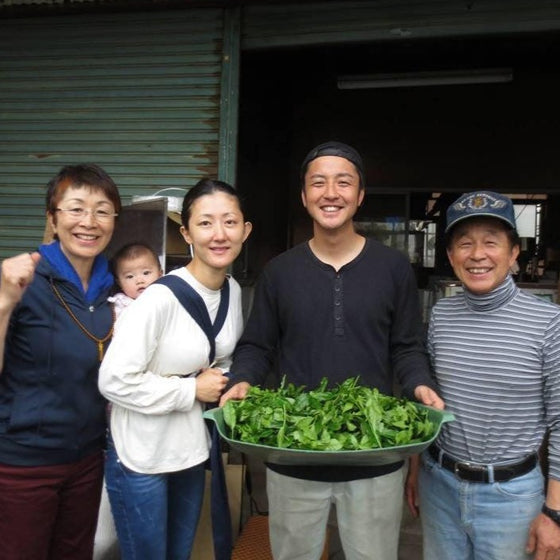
(338, 149)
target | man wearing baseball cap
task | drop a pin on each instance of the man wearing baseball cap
(495, 353)
(338, 306)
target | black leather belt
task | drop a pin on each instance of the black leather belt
(482, 473)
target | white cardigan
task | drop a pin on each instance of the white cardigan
(156, 422)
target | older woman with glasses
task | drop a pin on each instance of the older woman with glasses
(55, 324)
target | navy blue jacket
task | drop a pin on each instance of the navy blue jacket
(51, 411)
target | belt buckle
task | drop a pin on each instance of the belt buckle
(469, 468)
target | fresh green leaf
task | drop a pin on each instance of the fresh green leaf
(347, 417)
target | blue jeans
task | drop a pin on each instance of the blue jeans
(476, 521)
(155, 515)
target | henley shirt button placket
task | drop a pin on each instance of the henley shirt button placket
(338, 310)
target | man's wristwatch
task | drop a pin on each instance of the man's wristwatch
(554, 514)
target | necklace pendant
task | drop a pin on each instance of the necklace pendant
(99, 341)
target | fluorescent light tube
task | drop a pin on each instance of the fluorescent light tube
(436, 78)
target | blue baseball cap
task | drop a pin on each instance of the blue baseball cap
(481, 203)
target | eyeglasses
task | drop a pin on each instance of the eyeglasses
(99, 215)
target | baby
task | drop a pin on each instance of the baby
(135, 267)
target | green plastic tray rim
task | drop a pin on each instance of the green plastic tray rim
(366, 457)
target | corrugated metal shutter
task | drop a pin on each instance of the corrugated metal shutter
(137, 93)
(316, 23)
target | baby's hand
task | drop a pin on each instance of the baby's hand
(210, 384)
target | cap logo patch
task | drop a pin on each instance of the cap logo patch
(479, 201)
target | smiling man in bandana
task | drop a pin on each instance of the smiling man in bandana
(339, 305)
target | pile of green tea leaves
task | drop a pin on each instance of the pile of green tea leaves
(347, 417)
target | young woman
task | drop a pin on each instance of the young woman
(55, 324)
(135, 266)
(157, 375)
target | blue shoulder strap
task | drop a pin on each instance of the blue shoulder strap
(219, 505)
(194, 304)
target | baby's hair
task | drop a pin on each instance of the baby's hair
(132, 251)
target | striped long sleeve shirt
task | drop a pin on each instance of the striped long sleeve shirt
(496, 359)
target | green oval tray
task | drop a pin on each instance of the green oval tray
(364, 457)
